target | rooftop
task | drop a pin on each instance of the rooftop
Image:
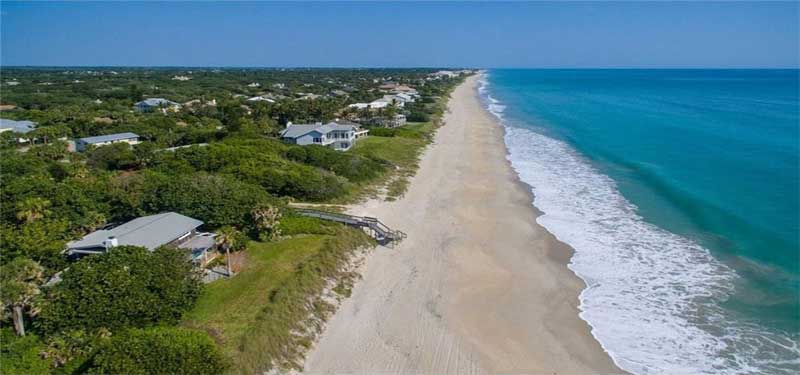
(108, 138)
(147, 231)
(298, 130)
(17, 126)
(155, 102)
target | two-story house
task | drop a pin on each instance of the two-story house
(339, 136)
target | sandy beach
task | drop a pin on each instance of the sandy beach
(477, 287)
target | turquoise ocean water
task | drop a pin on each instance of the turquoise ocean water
(679, 191)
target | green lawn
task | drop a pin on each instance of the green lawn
(228, 307)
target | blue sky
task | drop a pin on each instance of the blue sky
(567, 35)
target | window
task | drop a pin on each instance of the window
(317, 140)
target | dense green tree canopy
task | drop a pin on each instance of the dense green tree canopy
(159, 350)
(126, 287)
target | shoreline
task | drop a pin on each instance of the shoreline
(478, 287)
(561, 256)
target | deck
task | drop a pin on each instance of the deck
(374, 227)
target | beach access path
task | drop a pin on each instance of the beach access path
(477, 287)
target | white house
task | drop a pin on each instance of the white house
(358, 105)
(338, 136)
(388, 122)
(388, 99)
(375, 104)
(307, 96)
(444, 74)
(150, 104)
(101, 140)
(261, 98)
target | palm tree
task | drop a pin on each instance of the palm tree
(227, 237)
(32, 209)
(19, 285)
(266, 219)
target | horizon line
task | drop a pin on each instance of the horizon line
(394, 67)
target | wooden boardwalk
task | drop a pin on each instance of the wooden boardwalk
(378, 230)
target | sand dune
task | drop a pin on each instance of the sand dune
(477, 288)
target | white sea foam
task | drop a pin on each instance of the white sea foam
(652, 297)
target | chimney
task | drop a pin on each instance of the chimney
(110, 242)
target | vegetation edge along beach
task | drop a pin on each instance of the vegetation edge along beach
(208, 155)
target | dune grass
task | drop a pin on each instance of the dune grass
(402, 151)
(227, 306)
(261, 317)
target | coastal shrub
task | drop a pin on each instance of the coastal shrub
(41, 240)
(159, 350)
(355, 168)
(418, 117)
(303, 183)
(126, 287)
(114, 156)
(215, 199)
(21, 355)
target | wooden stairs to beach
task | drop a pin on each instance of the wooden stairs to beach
(374, 227)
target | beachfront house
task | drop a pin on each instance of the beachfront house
(384, 121)
(151, 104)
(339, 136)
(391, 122)
(151, 232)
(81, 144)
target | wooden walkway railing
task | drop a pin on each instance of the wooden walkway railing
(378, 230)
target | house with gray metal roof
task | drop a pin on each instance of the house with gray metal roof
(339, 136)
(101, 140)
(151, 232)
(16, 126)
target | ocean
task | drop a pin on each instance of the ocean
(678, 190)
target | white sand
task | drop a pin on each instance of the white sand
(477, 288)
